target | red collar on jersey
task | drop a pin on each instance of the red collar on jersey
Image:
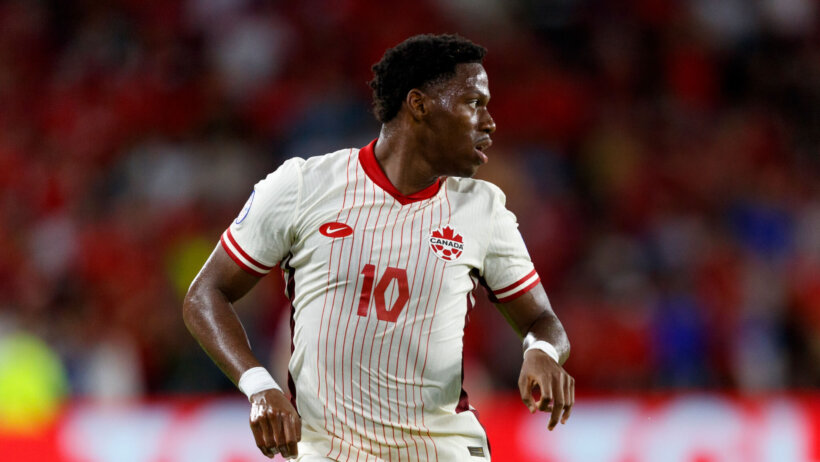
(373, 170)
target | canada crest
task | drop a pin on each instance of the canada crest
(446, 243)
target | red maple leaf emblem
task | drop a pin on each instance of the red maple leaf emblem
(448, 233)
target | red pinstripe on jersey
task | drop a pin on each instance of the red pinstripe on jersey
(393, 330)
(341, 310)
(435, 308)
(319, 374)
(436, 264)
(240, 257)
(413, 327)
(518, 288)
(412, 317)
(356, 329)
(366, 328)
(403, 329)
(381, 345)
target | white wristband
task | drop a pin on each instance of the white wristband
(256, 379)
(546, 347)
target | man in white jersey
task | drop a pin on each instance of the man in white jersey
(382, 249)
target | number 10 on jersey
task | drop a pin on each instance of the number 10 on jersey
(378, 293)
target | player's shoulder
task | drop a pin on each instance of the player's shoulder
(303, 175)
(297, 168)
(323, 163)
(476, 189)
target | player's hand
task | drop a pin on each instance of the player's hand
(275, 423)
(545, 385)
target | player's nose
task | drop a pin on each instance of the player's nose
(486, 123)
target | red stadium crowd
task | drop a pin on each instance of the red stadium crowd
(662, 158)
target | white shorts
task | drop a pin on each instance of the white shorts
(468, 444)
(444, 448)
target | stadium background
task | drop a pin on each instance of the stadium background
(663, 158)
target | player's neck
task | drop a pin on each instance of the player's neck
(399, 158)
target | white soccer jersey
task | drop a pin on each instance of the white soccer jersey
(381, 285)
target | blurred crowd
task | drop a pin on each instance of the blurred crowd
(662, 156)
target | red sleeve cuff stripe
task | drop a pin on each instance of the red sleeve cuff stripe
(517, 289)
(247, 257)
(514, 284)
(239, 259)
(519, 293)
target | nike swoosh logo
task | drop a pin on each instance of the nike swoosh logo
(335, 229)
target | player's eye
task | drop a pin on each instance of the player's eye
(473, 103)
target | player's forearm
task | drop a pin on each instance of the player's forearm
(212, 321)
(548, 327)
(533, 319)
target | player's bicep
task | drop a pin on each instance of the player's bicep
(524, 310)
(221, 273)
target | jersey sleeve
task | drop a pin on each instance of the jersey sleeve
(261, 236)
(508, 270)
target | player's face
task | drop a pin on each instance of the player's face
(460, 122)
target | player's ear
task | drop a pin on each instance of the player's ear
(417, 103)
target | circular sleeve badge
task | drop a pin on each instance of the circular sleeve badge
(246, 209)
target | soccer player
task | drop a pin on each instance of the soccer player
(382, 248)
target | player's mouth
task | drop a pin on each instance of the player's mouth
(481, 146)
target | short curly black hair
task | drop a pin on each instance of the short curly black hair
(417, 61)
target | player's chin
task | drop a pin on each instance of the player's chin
(468, 171)
(467, 168)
